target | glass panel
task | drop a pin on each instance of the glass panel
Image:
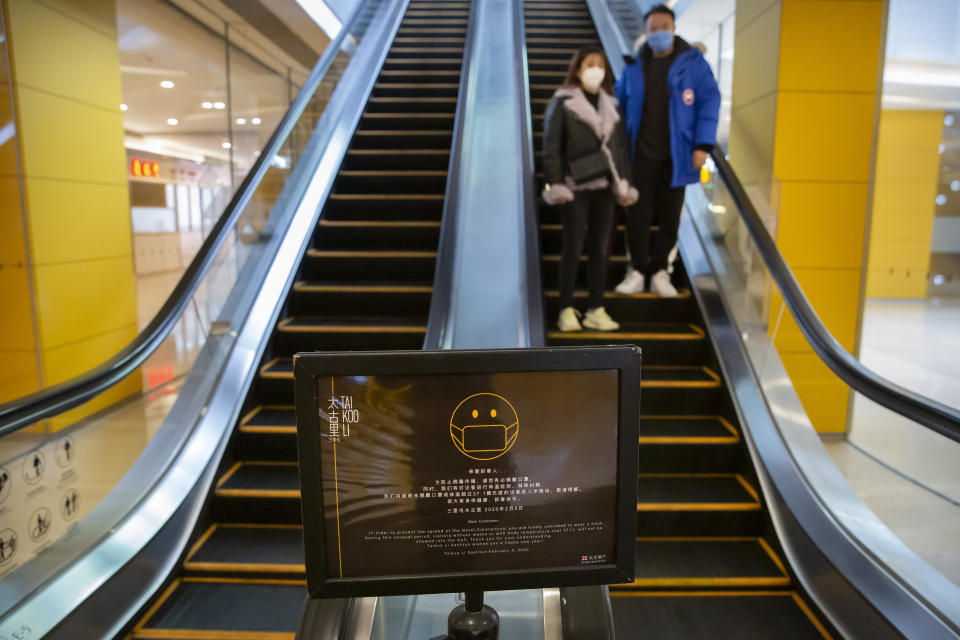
(420, 617)
(54, 474)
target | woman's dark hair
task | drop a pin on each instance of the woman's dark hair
(572, 80)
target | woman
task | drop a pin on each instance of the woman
(586, 166)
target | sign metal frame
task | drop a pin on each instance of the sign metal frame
(308, 367)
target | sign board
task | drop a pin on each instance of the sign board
(436, 471)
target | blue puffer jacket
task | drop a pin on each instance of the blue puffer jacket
(694, 106)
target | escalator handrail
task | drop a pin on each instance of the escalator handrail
(934, 415)
(68, 394)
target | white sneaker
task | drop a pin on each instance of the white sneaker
(599, 320)
(568, 320)
(660, 284)
(633, 282)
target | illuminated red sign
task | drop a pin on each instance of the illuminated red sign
(144, 168)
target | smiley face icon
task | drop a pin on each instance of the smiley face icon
(484, 426)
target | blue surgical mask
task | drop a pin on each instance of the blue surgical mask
(660, 41)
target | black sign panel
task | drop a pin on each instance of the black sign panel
(438, 471)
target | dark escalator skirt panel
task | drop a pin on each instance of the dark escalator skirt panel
(364, 284)
(700, 518)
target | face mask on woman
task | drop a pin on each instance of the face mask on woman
(592, 78)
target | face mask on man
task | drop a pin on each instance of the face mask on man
(592, 78)
(660, 41)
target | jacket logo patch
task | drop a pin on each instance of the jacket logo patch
(688, 97)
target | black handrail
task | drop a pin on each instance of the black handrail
(939, 417)
(61, 397)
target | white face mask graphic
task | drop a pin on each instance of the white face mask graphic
(592, 78)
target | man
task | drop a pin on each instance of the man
(671, 106)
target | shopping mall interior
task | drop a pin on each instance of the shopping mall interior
(195, 191)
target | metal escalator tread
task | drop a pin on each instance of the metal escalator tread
(364, 283)
(652, 615)
(248, 548)
(695, 492)
(687, 430)
(228, 608)
(260, 479)
(705, 562)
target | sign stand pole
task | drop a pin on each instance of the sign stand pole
(473, 620)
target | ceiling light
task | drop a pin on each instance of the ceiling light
(941, 199)
(123, 107)
(167, 84)
(226, 145)
(940, 148)
(949, 120)
(255, 120)
(219, 105)
(241, 121)
(206, 105)
(172, 121)
(955, 185)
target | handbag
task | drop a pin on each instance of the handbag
(589, 167)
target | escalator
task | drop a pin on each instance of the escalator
(365, 282)
(708, 562)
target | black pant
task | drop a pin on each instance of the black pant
(657, 199)
(593, 211)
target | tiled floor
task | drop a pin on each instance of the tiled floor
(915, 344)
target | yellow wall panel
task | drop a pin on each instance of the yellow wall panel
(900, 254)
(821, 224)
(89, 75)
(752, 139)
(16, 315)
(904, 206)
(833, 293)
(824, 396)
(69, 361)
(12, 241)
(18, 374)
(756, 76)
(73, 221)
(824, 136)
(67, 140)
(815, 36)
(910, 129)
(896, 283)
(81, 299)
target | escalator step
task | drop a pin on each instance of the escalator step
(693, 615)
(260, 479)
(317, 333)
(674, 504)
(270, 419)
(681, 430)
(641, 305)
(706, 562)
(695, 492)
(673, 343)
(258, 492)
(234, 609)
(248, 548)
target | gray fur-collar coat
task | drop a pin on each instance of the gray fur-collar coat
(572, 129)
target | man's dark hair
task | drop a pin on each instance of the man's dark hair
(660, 8)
